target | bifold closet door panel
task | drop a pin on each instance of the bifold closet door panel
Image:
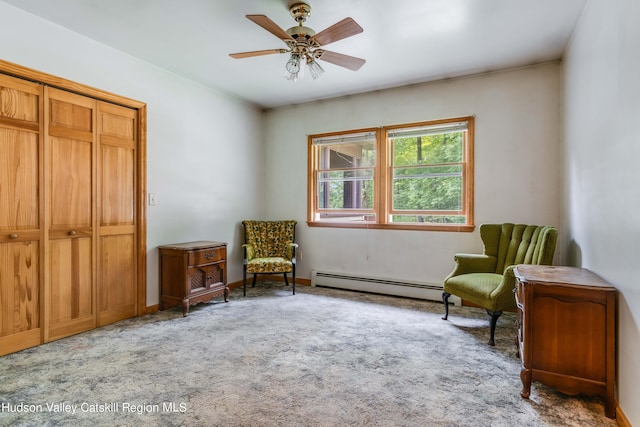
(117, 255)
(117, 294)
(21, 219)
(71, 176)
(71, 293)
(72, 218)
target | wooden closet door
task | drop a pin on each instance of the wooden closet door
(117, 284)
(70, 164)
(21, 218)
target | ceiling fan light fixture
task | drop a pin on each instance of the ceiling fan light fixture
(293, 64)
(291, 77)
(294, 67)
(314, 68)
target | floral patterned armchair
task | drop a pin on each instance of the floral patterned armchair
(269, 249)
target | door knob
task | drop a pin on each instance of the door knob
(13, 236)
(72, 233)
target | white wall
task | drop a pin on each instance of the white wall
(602, 82)
(204, 157)
(517, 167)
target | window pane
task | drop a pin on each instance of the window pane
(429, 219)
(429, 149)
(351, 155)
(345, 176)
(346, 217)
(428, 188)
(346, 189)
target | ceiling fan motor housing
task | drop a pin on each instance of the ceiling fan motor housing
(301, 33)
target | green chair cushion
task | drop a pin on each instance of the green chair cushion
(474, 287)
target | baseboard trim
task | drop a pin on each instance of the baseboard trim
(151, 309)
(621, 418)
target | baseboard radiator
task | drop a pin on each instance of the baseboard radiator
(403, 288)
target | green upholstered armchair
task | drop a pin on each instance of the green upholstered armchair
(487, 280)
(269, 249)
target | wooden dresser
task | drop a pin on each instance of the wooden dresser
(192, 272)
(567, 331)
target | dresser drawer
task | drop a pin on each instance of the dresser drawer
(207, 256)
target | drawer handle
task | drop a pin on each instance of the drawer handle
(72, 233)
(13, 236)
(210, 255)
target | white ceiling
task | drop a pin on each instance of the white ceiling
(404, 41)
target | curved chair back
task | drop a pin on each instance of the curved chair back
(513, 244)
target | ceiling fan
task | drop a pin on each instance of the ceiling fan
(305, 45)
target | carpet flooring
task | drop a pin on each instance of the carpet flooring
(323, 357)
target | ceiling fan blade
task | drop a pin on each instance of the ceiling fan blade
(270, 26)
(346, 61)
(240, 55)
(338, 31)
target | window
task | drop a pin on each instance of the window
(344, 166)
(412, 176)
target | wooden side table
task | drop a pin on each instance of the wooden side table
(191, 273)
(567, 331)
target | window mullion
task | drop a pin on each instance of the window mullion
(382, 168)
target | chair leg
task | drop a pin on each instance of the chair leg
(255, 276)
(244, 281)
(445, 300)
(492, 324)
(286, 281)
(293, 279)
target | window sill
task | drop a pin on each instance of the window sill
(461, 228)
